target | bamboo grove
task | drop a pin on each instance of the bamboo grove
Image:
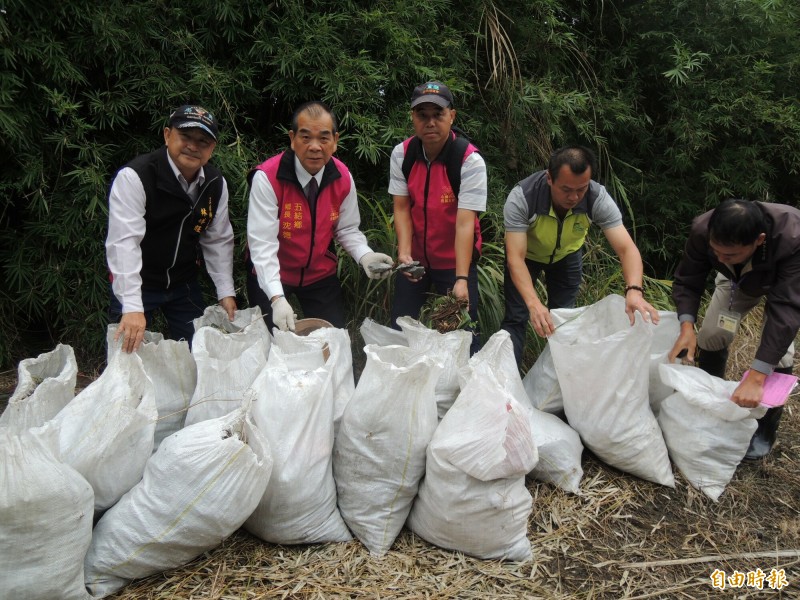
(685, 103)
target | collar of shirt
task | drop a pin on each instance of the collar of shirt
(189, 188)
(425, 156)
(741, 269)
(303, 176)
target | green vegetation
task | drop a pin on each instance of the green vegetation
(684, 102)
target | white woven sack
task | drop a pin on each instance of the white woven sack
(541, 384)
(170, 366)
(106, 432)
(707, 434)
(197, 489)
(45, 519)
(452, 348)
(339, 361)
(229, 355)
(473, 498)
(498, 356)
(558, 446)
(115, 347)
(243, 319)
(541, 381)
(664, 336)
(605, 387)
(45, 385)
(379, 453)
(560, 450)
(294, 410)
(375, 334)
(297, 352)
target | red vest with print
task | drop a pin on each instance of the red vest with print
(433, 211)
(305, 239)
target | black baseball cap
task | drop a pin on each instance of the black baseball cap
(433, 91)
(188, 115)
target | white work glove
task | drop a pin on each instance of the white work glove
(377, 265)
(283, 314)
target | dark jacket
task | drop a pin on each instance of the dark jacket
(170, 246)
(775, 274)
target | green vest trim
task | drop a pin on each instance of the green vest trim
(549, 238)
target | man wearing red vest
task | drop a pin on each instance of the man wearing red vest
(434, 225)
(300, 202)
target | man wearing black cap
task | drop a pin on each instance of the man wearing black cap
(164, 208)
(436, 206)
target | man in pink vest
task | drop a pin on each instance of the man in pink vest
(300, 202)
(435, 224)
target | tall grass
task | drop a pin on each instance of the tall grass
(490, 285)
(366, 297)
(602, 275)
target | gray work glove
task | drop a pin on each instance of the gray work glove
(377, 265)
(283, 314)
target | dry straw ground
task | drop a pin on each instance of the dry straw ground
(621, 538)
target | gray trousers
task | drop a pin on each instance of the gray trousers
(711, 336)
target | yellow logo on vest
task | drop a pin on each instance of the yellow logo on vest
(206, 215)
(448, 197)
(292, 218)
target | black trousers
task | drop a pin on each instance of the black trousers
(409, 297)
(180, 305)
(321, 300)
(562, 281)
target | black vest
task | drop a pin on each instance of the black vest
(171, 244)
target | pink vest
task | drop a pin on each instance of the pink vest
(305, 249)
(433, 216)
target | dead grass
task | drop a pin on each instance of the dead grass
(621, 538)
(444, 313)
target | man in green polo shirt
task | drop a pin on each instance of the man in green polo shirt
(547, 217)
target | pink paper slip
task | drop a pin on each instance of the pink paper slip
(777, 388)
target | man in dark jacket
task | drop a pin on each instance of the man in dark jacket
(164, 208)
(755, 248)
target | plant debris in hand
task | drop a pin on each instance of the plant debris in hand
(445, 313)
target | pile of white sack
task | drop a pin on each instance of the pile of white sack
(637, 414)
(171, 450)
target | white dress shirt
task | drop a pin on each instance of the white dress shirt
(263, 226)
(474, 184)
(126, 228)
